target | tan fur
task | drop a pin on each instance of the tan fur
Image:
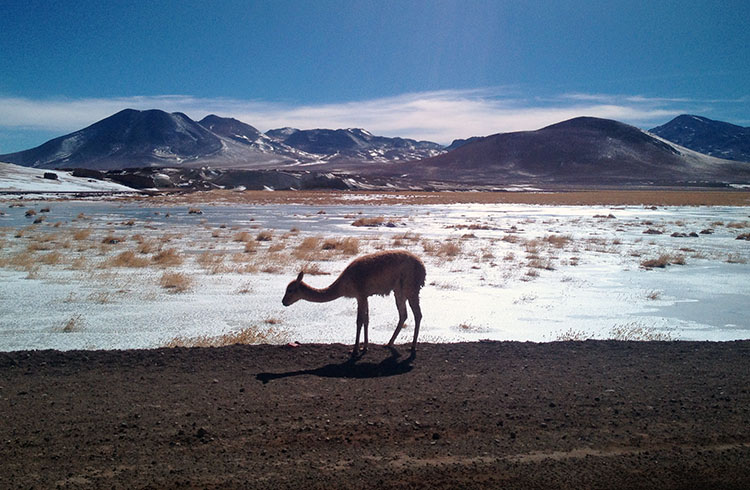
(380, 273)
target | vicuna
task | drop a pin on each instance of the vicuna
(379, 273)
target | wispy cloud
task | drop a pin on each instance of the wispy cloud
(437, 116)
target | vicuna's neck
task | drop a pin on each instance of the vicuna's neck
(323, 295)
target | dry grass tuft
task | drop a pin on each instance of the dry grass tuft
(112, 240)
(571, 335)
(176, 282)
(168, 257)
(663, 260)
(127, 258)
(242, 236)
(264, 236)
(557, 241)
(212, 262)
(81, 234)
(147, 246)
(634, 331)
(374, 222)
(249, 335)
(73, 324)
(51, 258)
(313, 269)
(736, 259)
(22, 261)
(443, 249)
(347, 246)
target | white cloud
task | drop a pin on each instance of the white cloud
(437, 116)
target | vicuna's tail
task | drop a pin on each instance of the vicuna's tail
(419, 273)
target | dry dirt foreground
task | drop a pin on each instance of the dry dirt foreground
(594, 414)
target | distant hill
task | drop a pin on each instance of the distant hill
(354, 144)
(457, 143)
(155, 138)
(584, 150)
(715, 138)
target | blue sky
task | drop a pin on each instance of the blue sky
(430, 70)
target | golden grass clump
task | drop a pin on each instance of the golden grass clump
(374, 222)
(212, 262)
(264, 236)
(51, 258)
(242, 236)
(22, 261)
(313, 269)
(176, 282)
(347, 246)
(557, 241)
(662, 261)
(250, 247)
(168, 257)
(309, 243)
(112, 240)
(437, 248)
(147, 246)
(248, 335)
(127, 258)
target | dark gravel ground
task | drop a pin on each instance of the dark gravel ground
(594, 414)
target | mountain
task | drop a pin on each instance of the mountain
(584, 150)
(230, 128)
(715, 138)
(457, 143)
(354, 144)
(128, 138)
(155, 138)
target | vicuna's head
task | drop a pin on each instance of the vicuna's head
(293, 290)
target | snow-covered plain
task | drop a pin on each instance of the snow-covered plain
(15, 178)
(502, 272)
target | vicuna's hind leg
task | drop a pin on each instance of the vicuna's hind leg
(414, 303)
(362, 320)
(401, 305)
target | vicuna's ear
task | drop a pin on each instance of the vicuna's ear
(301, 275)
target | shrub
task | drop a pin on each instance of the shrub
(264, 236)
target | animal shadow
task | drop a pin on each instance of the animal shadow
(390, 366)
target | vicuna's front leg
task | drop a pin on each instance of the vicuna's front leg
(362, 320)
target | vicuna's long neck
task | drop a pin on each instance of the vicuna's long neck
(323, 295)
